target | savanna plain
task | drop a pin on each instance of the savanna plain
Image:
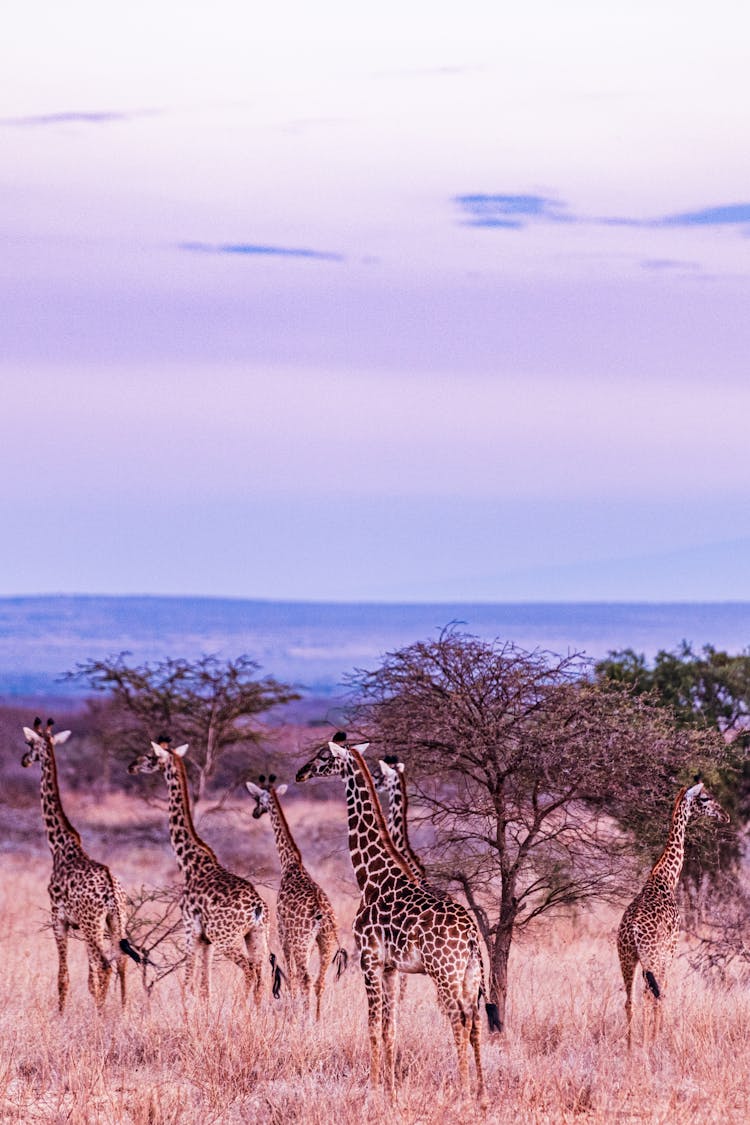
(168, 1058)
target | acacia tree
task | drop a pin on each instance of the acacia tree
(706, 688)
(522, 765)
(211, 704)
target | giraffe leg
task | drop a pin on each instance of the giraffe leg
(256, 946)
(327, 946)
(240, 958)
(650, 1003)
(93, 977)
(291, 966)
(190, 956)
(654, 985)
(475, 1037)
(121, 967)
(302, 959)
(305, 981)
(628, 961)
(60, 930)
(390, 994)
(100, 971)
(372, 967)
(207, 952)
(459, 1021)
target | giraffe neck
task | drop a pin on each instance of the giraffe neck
(669, 864)
(188, 847)
(398, 826)
(289, 853)
(374, 857)
(61, 834)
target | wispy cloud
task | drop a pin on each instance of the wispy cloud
(518, 211)
(667, 264)
(511, 211)
(75, 117)
(732, 214)
(251, 248)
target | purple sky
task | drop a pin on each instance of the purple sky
(297, 307)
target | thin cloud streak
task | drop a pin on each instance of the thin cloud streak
(667, 264)
(251, 249)
(516, 212)
(510, 211)
(75, 117)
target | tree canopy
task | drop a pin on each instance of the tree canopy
(706, 690)
(210, 703)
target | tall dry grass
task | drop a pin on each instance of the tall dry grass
(168, 1060)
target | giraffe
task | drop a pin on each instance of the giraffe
(304, 915)
(649, 927)
(402, 926)
(219, 909)
(84, 895)
(391, 779)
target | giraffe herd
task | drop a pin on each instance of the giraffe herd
(402, 925)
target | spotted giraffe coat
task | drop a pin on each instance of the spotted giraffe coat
(304, 915)
(401, 926)
(649, 928)
(84, 895)
(220, 910)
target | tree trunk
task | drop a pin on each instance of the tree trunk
(499, 959)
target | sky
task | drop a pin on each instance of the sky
(446, 302)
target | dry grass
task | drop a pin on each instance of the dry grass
(163, 1061)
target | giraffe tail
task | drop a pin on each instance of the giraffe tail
(652, 983)
(493, 1012)
(131, 951)
(278, 977)
(340, 960)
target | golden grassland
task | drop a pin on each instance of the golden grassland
(170, 1060)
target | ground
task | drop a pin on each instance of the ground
(562, 1058)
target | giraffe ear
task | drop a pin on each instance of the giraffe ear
(181, 751)
(159, 751)
(30, 735)
(281, 789)
(336, 750)
(253, 790)
(63, 736)
(694, 790)
(400, 767)
(386, 769)
(361, 747)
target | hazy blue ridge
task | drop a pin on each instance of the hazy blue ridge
(314, 644)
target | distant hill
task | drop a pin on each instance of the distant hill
(316, 644)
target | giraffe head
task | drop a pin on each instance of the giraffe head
(262, 794)
(700, 803)
(386, 778)
(156, 758)
(330, 761)
(40, 740)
